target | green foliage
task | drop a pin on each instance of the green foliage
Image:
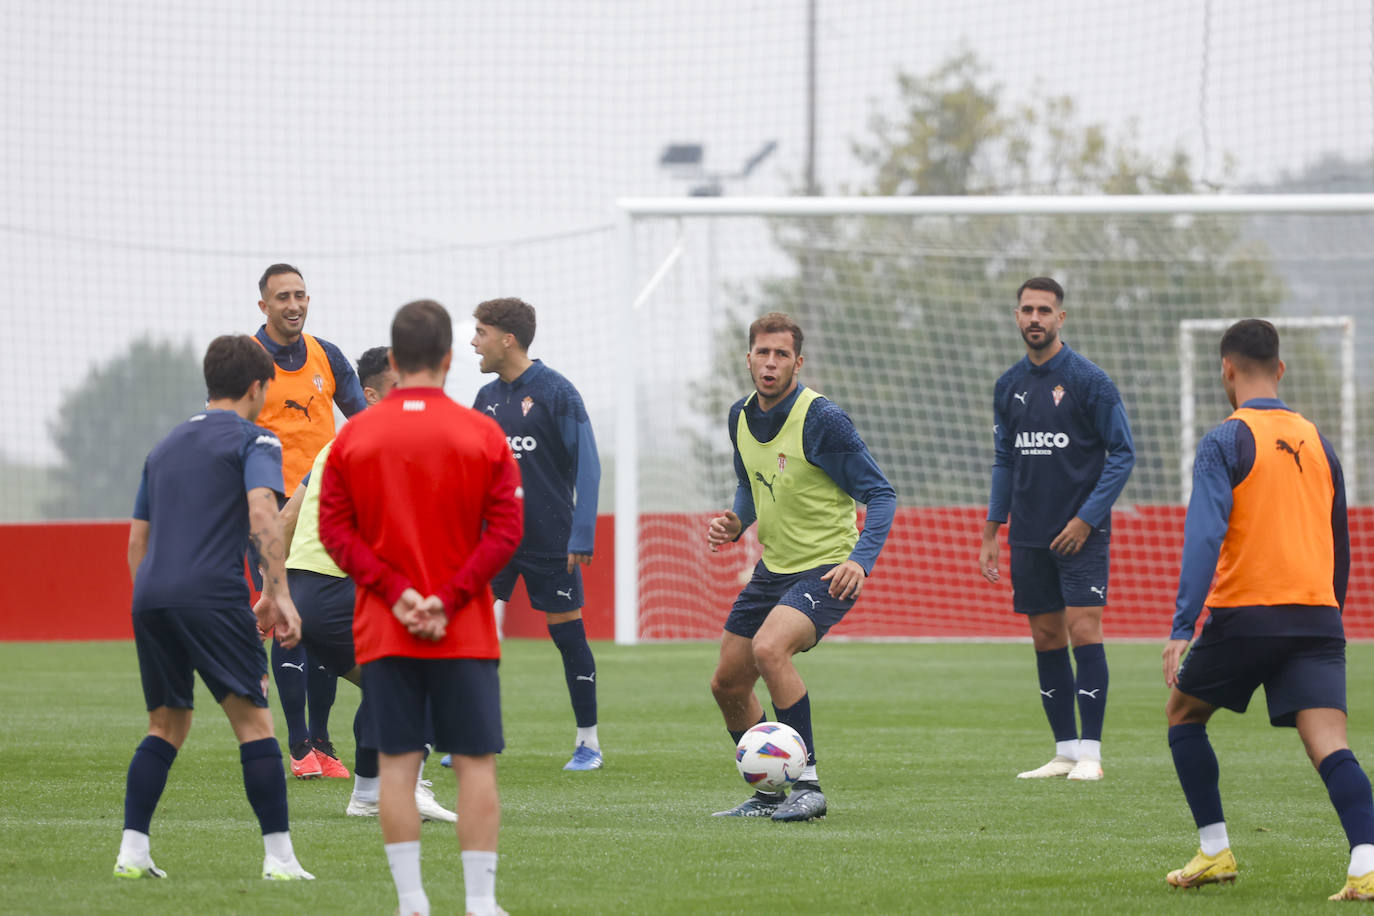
(108, 424)
(918, 746)
(909, 320)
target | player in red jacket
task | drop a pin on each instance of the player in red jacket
(421, 506)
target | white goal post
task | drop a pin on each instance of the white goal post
(1187, 377)
(654, 262)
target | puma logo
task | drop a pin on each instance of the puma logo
(299, 667)
(1282, 446)
(1049, 694)
(303, 408)
(1021, 397)
(491, 408)
(1099, 592)
(1090, 694)
(814, 601)
(758, 475)
(566, 594)
(585, 677)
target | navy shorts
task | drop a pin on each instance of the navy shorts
(460, 698)
(1043, 581)
(222, 644)
(804, 590)
(325, 604)
(552, 589)
(1297, 672)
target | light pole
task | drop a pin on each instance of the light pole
(684, 161)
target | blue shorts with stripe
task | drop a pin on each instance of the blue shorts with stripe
(1297, 672)
(325, 604)
(221, 644)
(552, 589)
(1043, 581)
(454, 701)
(804, 590)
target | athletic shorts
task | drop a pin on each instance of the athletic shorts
(1043, 581)
(325, 604)
(804, 590)
(221, 644)
(552, 589)
(460, 698)
(1297, 672)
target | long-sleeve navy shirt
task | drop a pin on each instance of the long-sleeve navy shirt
(831, 443)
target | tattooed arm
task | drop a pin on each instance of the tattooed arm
(275, 608)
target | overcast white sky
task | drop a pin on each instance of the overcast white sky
(155, 156)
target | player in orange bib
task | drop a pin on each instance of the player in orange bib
(312, 376)
(1267, 521)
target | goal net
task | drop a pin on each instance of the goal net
(906, 304)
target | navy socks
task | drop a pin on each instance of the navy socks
(579, 669)
(1056, 692)
(265, 783)
(145, 782)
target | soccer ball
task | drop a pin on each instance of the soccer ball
(770, 756)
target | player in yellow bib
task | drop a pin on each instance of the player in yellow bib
(801, 466)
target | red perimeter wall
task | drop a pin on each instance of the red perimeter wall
(69, 580)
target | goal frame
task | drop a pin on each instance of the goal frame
(633, 296)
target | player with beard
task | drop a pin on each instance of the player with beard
(312, 376)
(800, 466)
(1063, 453)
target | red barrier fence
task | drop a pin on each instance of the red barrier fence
(69, 580)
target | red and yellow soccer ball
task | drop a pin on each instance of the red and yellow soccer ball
(770, 756)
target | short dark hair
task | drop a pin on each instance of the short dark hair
(421, 336)
(511, 315)
(1253, 341)
(372, 364)
(233, 362)
(272, 271)
(1044, 284)
(777, 323)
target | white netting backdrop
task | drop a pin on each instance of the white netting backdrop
(909, 323)
(155, 157)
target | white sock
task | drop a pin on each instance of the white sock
(479, 881)
(278, 846)
(133, 847)
(587, 736)
(499, 608)
(365, 787)
(1089, 750)
(1361, 860)
(1067, 749)
(809, 774)
(404, 859)
(416, 903)
(1213, 839)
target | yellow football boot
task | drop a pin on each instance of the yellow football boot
(1217, 869)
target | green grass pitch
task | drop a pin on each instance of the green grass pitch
(919, 746)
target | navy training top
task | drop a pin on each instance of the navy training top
(348, 390)
(192, 496)
(831, 443)
(550, 434)
(1062, 448)
(1223, 459)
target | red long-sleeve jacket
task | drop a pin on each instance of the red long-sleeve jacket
(420, 492)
